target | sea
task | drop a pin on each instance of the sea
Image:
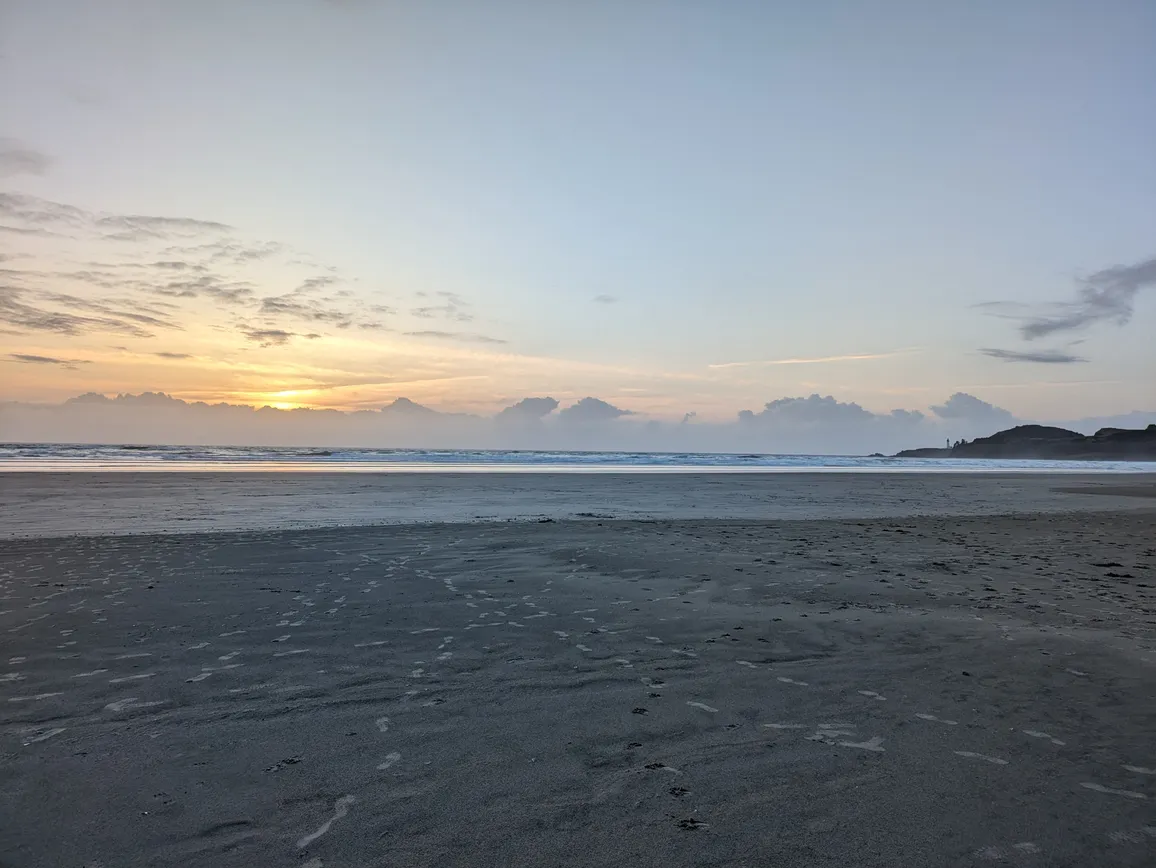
(58, 457)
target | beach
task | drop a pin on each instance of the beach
(583, 670)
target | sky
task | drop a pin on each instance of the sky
(683, 209)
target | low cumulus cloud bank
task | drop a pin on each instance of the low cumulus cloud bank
(814, 424)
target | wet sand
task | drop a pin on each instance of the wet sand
(56, 504)
(931, 690)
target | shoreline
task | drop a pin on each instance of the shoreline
(94, 504)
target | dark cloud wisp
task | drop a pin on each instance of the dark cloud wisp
(1044, 357)
(17, 158)
(30, 359)
(465, 337)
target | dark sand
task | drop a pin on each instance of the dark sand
(902, 691)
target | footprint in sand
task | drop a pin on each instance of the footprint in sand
(390, 760)
(340, 809)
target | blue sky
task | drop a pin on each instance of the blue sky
(643, 201)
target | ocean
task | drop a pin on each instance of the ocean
(55, 457)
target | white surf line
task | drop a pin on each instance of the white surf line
(390, 760)
(872, 694)
(972, 755)
(35, 698)
(340, 809)
(786, 680)
(133, 656)
(703, 706)
(1140, 770)
(583, 648)
(233, 633)
(199, 646)
(283, 638)
(229, 656)
(291, 652)
(655, 640)
(1100, 788)
(125, 678)
(371, 644)
(746, 663)
(200, 677)
(90, 674)
(937, 719)
(425, 630)
(784, 726)
(1035, 733)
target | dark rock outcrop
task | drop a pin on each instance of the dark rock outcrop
(1044, 441)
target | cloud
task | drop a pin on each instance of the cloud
(177, 265)
(206, 286)
(288, 305)
(856, 357)
(167, 355)
(453, 307)
(466, 337)
(320, 282)
(1107, 296)
(605, 299)
(15, 311)
(528, 410)
(18, 159)
(591, 410)
(43, 215)
(815, 410)
(135, 227)
(1046, 357)
(29, 359)
(792, 425)
(268, 337)
(35, 232)
(962, 406)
